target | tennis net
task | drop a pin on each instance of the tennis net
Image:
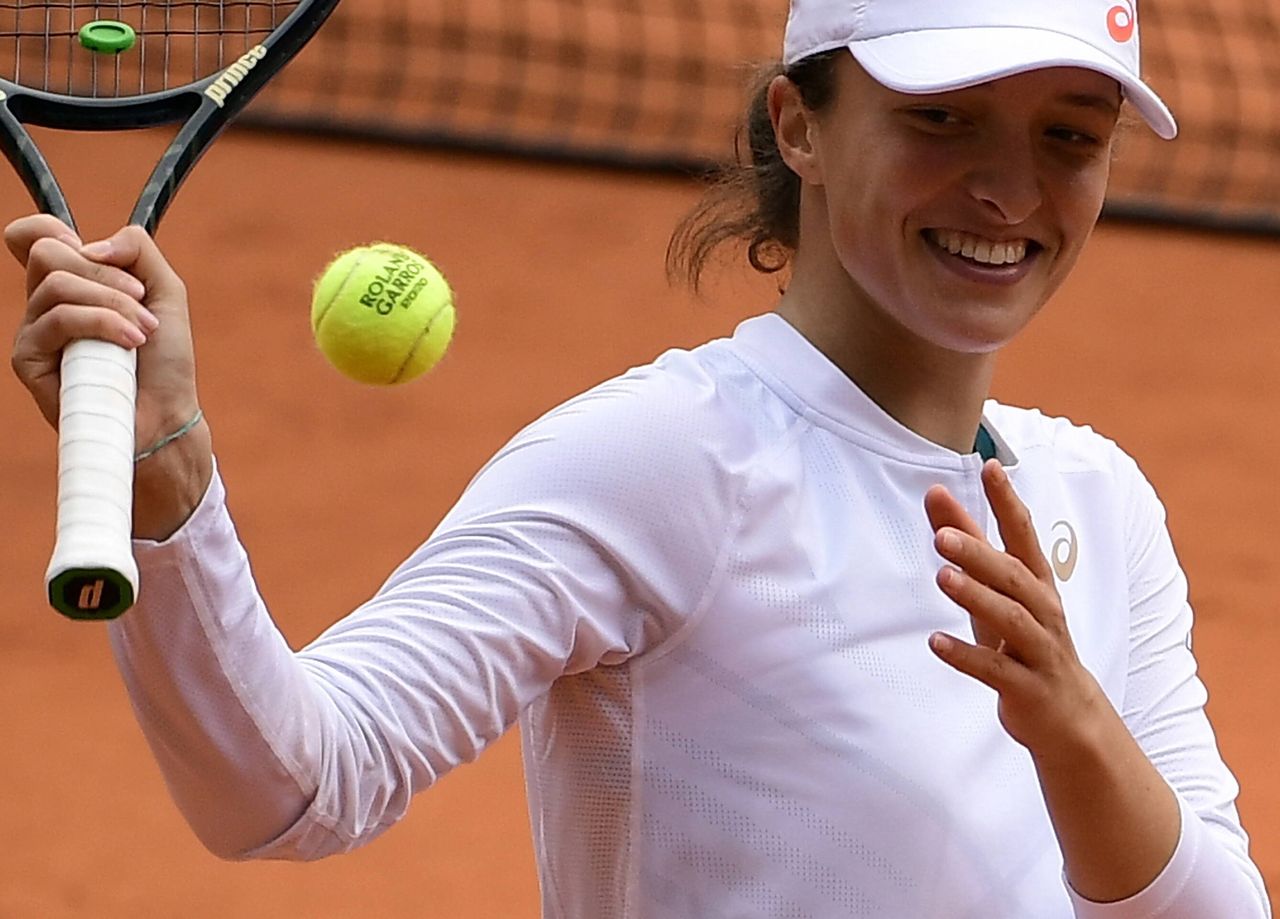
(659, 84)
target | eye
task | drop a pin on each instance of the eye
(934, 116)
(1082, 139)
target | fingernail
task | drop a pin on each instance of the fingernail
(939, 642)
(148, 319)
(947, 576)
(71, 240)
(137, 289)
(135, 335)
(99, 249)
(948, 542)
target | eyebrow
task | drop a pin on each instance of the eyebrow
(1080, 100)
(1088, 100)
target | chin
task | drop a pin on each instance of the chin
(977, 345)
(973, 327)
(968, 341)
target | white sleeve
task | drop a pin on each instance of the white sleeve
(563, 554)
(1210, 873)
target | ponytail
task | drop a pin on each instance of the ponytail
(757, 198)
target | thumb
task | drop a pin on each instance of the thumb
(133, 250)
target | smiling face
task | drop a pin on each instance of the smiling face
(953, 216)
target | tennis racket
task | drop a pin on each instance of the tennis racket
(98, 66)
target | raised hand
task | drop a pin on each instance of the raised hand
(1024, 650)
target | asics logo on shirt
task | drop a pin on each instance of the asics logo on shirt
(1121, 21)
(1064, 551)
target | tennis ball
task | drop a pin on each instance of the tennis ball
(382, 313)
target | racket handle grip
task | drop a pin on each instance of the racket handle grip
(92, 574)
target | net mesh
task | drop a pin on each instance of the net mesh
(660, 84)
(128, 47)
(631, 82)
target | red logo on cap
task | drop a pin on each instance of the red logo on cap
(1121, 21)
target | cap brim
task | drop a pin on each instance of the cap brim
(938, 60)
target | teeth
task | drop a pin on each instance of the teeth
(985, 251)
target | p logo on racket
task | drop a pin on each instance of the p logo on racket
(91, 594)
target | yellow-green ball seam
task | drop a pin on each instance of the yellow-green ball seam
(361, 253)
(422, 336)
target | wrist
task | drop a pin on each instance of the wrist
(1086, 729)
(179, 432)
(1116, 818)
(171, 479)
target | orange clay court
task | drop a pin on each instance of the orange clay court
(1164, 341)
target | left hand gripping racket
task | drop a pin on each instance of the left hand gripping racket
(98, 66)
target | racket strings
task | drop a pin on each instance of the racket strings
(175, 43)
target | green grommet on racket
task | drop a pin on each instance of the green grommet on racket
(107, 36)
(92, 573)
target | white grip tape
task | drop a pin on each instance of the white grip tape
(95, 460)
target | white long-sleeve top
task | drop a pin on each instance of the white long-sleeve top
(704, 589)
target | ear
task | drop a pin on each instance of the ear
(795, 129)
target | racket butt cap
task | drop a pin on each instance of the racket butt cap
(91, 593)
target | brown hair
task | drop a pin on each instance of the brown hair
(756, 199)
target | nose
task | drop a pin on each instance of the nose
(1006, 181)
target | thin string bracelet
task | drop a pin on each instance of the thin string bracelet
(165, 441)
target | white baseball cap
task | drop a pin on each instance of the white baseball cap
(929, 46)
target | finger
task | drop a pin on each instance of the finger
(37, 349)
(946, 514)
(22, 233)
(48, 255)
(68, 322)
(63, 287)
(999, 571)
(999, 671)
(1017, 530)
(1004, 623)
(943, 510)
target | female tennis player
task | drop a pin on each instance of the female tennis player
(796, 623)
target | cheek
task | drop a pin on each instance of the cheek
(886, 186)
(876, 238)
(1080, 204)
(867, 241)
(870, 212)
